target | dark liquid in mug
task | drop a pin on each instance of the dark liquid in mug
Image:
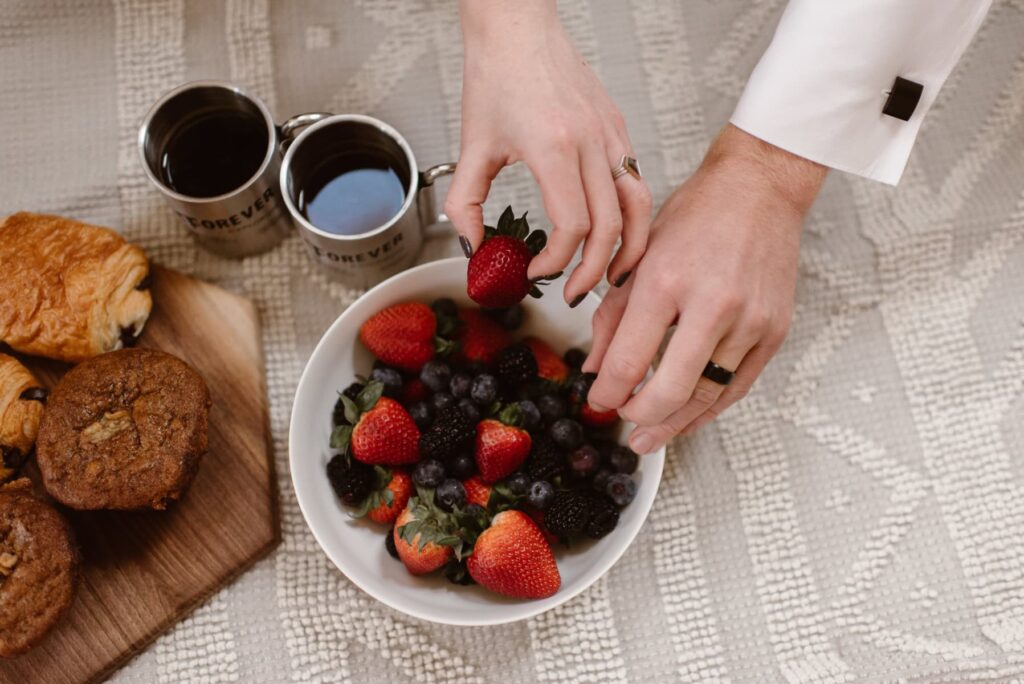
(213, 153)
(351, 194)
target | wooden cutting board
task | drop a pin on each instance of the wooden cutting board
(145, 571)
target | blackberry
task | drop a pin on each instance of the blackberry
(338, 414)
(450, 434)
(568, 513)
(604, 516)
(351, 481)
(546, 460)
(390, 378)
(389, 543)
(574, 358)
(516, 364)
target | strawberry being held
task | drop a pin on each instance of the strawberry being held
(379, 430)
(497, 276)
(512, 558)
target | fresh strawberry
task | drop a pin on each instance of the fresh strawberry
(598, 419)
(414, 390)
(389, 496)
(497, 270)
(379, 430)
(511, 557)
(402, 335)
(477, 491)
(480, 338)
(550, 365)
(501, 446)
(417, 536)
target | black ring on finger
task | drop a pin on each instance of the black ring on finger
(717, 374)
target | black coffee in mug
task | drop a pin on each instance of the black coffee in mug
(214, 151)
(352, 192)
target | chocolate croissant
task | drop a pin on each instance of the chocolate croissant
(68, 290)
(21, 407)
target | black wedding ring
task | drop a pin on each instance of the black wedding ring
(717, 374)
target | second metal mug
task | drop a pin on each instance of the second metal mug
(364, 259)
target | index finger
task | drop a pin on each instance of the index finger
(464, 204)
(561, 188)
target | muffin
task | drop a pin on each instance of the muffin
(39, 568)
(21, 408)
(124, 430)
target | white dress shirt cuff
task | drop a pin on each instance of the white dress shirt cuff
(821, 85)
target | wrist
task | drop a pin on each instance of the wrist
(492, 22)
(792, 178)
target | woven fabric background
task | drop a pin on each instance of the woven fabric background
(860, 517)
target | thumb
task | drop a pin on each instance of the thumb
(464, 204)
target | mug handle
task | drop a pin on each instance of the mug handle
(429, 215)
(290, 129)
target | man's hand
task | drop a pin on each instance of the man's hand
(721, 266)
(528, 96)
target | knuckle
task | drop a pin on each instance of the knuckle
(624, 369)
(578, 228)
(728, 304)
(735, 392)
(643, 197)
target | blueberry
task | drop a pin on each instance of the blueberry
(484, 390)
(574, 358)
(460, 384)
(600, 481)
(512, 317)
(580, 386)
(621, 488)
(469, 409)
(422, 414)
(541, 494)
(390, 378)
(518, 483)
(623, 459)
(389, 543)
(551, 407)
(462, 466)
(429, 473)
(436, 375)
(445, 306)
(441, 401)
(450, 495)
(529, 415)
(474, 510)
(584, 461)
(567, 433)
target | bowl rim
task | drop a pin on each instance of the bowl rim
(654, 460)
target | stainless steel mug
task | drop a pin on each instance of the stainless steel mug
(367, 258)
(243, 221)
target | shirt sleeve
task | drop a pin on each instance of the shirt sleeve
(821, 86)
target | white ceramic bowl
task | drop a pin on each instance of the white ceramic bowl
(357, 546)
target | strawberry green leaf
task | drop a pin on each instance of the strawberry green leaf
(340, 437)
(381, 477)
(505, 221)
(510, 415)
(369, 503)
(445, 347)
(351, 410)
(449, 540)
(536, 241)
(368, 397)
(489, 232)
(389, 496)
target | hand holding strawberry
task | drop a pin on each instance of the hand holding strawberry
(497, 275)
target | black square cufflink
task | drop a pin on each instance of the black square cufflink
(903, 99)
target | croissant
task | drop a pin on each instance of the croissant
(21, 407)
(68, 290)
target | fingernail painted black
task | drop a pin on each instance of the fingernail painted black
(576, 302)
(467, 248)
(621, 280)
